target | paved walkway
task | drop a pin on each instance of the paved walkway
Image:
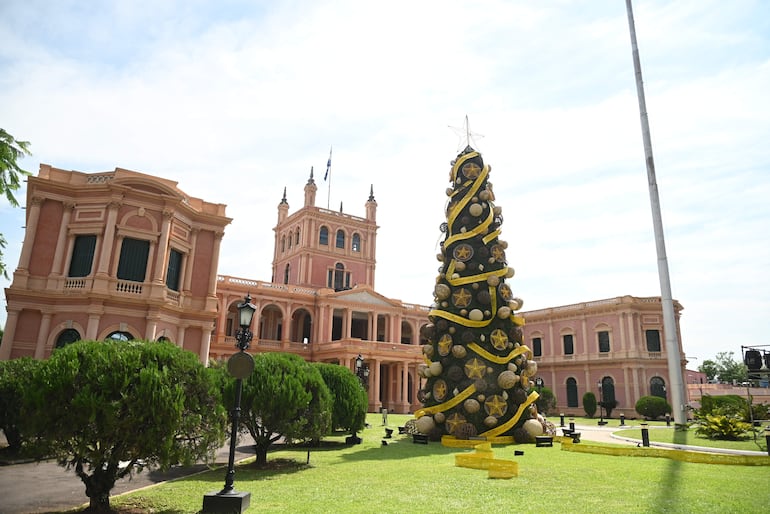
(606, 434)
(28, 488)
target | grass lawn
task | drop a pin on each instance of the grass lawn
(406, 477)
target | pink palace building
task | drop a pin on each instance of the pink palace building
(125, 255)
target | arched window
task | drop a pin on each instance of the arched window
(356, 245)
(164, 339)
(657, 387)
(66, 337)
(572, 392)
(289, 242)
(296, 240)
(120, 336)
(340, 239)
(286, 275)
(607, 393)
(323, 236)
(283, 244)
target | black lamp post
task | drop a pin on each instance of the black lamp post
(362, 371)
(601, 403)
(240, 365)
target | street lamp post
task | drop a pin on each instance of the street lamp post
(601, 403)
(240, 365)
(362, 371)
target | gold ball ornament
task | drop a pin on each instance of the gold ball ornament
(435, 368)
(519, 303)
(510, 273)
(512, 367)
(427, 350)
(533, 427)
(460, 266)
(421, 369)
(497, 210)
(449, 191)
(504, 312)
(463, 312)
(532, 368)
(507, 379)
(439, 417)
(493, 280)
(489, 421)
(444, 304)
(476, 209)
(483, 195)
(442, 291)
(425, 425)
(476, 315)
(452, 330)
(504, 244)
(439, 257)
(459, 351)
(471, 406)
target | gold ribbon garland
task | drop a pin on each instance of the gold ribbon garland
(505, 359)
(509, 424)
(446, 405)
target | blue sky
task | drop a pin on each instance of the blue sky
(236, 100)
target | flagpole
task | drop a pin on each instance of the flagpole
(329, 176)
(677, 386)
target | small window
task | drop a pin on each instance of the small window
(653, 340)
(283, 244)
(289, 241)
(604, 341)
(537, 347)
(569, 345)
(133, 259)
(296, 240)
(356, 245)
(340, 239)
(174, 269)
(286, 275)
(82, 256)
(339, 277)
(323, 236)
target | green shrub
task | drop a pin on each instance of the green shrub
(14, 375)
(725, 404)
(652, 407)
(589, 404)
(546, 403)
(719, 426)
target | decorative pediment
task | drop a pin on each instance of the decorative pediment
(366, 296)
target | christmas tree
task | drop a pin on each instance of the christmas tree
(477, 369)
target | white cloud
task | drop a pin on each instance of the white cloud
(237, 101)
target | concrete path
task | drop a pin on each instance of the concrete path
(606, 434)
(28, 488)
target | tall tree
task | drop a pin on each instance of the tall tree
(284, 397)
(479, 372)
(725, 368)
(11, 151)
(108, 409)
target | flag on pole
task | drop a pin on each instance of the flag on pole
(328, 164)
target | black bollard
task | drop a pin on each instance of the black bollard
(561, 418)
(645, 435)
(572, 424)
(668, 420)
(622, 419)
